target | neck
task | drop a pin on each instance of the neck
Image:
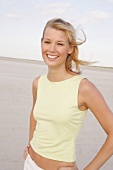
(57, 74)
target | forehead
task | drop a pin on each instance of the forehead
(51, 33)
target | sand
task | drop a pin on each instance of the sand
(16, 78)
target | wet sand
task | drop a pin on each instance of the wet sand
(16, 78)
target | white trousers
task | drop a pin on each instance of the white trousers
(30, 164)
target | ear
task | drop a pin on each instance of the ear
(70, 49)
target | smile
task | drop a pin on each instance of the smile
(52, 56)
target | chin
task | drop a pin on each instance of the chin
(50, 62)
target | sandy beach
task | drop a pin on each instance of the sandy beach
(16, 78)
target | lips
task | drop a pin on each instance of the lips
(52, 57)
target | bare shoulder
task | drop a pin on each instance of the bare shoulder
(89, 93)
(94, 100)
(87, 86)
(35, 82)
(35, 87)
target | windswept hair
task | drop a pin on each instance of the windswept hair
(71, 33)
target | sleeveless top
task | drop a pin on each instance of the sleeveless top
(58, 119)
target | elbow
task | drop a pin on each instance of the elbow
(110, 141)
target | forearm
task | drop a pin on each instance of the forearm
(31, 131)
(32, 127)
(103, 155)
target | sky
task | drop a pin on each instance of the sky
(22, 23)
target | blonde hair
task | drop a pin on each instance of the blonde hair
(60, 24)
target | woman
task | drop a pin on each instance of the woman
(60, 102)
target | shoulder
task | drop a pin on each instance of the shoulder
(87, 86)
(89, 92)
(35, 83)
(94, 100)
(34, 89)
(38, 79)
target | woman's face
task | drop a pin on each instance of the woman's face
(55, 47)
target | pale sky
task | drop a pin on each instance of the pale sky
(22, 23)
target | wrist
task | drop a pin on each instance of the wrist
(28, 146)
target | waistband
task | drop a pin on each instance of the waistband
(30, 164)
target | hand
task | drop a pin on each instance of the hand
(68, 168)
(25, 154)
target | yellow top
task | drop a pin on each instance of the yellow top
(58, 119)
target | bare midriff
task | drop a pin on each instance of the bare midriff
(49, 164)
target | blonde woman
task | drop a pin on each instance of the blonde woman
(61, 99)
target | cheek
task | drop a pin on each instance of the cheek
(64, 52)
(43, 48)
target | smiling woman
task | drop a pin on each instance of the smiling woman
(55, 47)
(61, 99)
(67, 38)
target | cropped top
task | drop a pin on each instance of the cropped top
(58, 119)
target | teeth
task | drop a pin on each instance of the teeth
(51, 56)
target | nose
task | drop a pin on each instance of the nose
(52, 48)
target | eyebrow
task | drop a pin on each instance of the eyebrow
(57, 41)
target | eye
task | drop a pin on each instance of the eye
(47, 42)
(60, 44)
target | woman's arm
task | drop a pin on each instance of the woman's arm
(32, 120)
(93, 99)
